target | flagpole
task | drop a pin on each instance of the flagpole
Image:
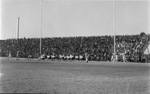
(41, 30)
(114, 30)
(17, 28)
(18, 47)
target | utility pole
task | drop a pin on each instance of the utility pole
(18, 28)
(18, 47)
(114, 31)
(41, 30)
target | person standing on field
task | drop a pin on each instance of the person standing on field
(86, 57)
(17, 55)
(9, 55)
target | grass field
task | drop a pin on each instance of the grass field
(73, 77)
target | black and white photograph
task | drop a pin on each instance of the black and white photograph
(75, 46)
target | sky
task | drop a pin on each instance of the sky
(65, 18)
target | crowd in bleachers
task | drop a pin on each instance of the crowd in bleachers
(99, 48)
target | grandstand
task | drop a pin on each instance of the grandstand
(100, 48)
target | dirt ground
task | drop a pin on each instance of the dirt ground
(73, 77)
